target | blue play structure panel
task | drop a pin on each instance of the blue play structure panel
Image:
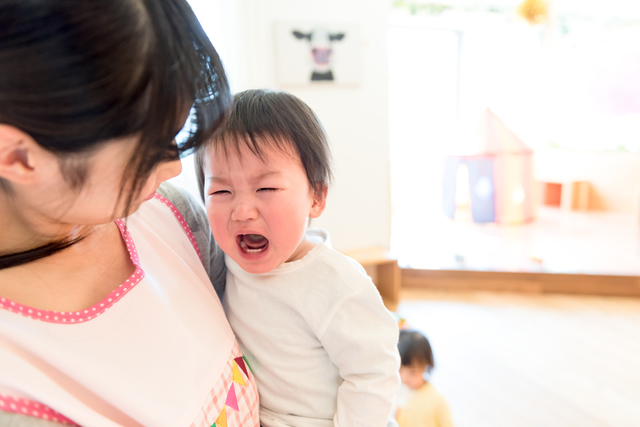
(481, 189)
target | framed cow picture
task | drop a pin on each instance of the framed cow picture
(317, 53)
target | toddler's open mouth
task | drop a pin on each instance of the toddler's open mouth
(252, 243)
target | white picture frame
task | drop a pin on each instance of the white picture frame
(316, 53)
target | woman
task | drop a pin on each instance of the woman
(103, 321)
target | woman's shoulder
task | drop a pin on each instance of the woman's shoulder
(191, 209)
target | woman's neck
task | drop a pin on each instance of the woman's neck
(23, 230)
(74, 278)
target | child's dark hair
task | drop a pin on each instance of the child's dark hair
(414, 348)
(263, 118)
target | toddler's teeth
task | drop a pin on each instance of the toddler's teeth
(243, 244)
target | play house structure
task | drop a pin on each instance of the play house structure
(500, 175)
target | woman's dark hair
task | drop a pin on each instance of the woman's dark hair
(76, 73)
(414, 347)
(265, 118)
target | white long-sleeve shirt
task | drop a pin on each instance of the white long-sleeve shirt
(321, 344)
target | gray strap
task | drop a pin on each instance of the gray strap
(196, 217)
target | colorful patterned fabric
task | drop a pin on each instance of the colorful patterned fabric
(233, 401)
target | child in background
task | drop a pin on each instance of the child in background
(320, 343)
(422, 406)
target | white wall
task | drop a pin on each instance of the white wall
(355, 118)
(219, 20)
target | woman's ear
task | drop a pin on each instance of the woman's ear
(319, 202)
(18, 155)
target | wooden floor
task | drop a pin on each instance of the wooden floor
(507, 360)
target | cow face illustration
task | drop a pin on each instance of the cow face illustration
(320, 44)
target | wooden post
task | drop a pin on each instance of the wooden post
(575, 195)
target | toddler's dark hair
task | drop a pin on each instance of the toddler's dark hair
(263, 118)
(414, 347)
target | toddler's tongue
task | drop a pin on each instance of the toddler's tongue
(254, 241)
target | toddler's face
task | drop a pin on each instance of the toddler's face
(259, 210)
(413, 375)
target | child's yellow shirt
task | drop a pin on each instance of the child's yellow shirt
(425, 408)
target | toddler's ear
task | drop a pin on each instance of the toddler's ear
(319, 202)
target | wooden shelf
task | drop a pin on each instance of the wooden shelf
(569, 195)
(383, 270)
(465, 280)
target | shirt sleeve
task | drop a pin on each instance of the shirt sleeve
(194, 213)
(362, 341)
(9, 419)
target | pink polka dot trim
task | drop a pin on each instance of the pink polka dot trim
(182, 222)
(32, 409)
(81, 316)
